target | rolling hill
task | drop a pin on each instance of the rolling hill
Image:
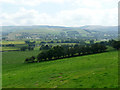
(57, 32)
(90, 71)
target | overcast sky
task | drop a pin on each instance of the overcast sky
(59, 12)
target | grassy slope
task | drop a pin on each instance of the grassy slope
(98, 70)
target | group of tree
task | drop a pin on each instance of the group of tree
(65, 51)
(9, 45)
(31, 59)
(112, 43)
(30, 44)
(65, 41)
(115, 44)
(24, 48)
(73, 41)
(45, 47)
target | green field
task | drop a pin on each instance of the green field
(13, 42)
(91, 71)
(8, 48)
(19, 44)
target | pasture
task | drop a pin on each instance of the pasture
(13, 42)
(90, 71)
(21, 43)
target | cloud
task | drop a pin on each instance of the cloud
(24, 17)
(87, 3)
(7, 1)
(30, 2)
(78, 17)
(83, 16)
(85, 12)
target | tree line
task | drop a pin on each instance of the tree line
(65, 41)
(30, 46)
(115, 44)
(24, 48)
(66, 51)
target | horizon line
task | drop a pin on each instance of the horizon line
(56, 25)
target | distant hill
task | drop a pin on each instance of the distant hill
(101, 28)
(60, 32)
(22, 28)
(89, 27)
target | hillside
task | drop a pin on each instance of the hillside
(90, 71)
(101, 28)
(59, 32)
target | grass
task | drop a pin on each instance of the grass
(13, 42)
(90, 71)
(20, 44)
(8, 48)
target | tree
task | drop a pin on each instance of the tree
(27, 59)
(39, 58)
(27, 42)
(79, 50)
(58, 51)
(116, 44)
(91, 41)
(82, 49)
(23, 48)
(30, 60)
(72, 51)
(88, 49)
(43, 42)
(110, 42)
(50, 54)
(52, 42)
(103, 48)
(95, 48)
(10, 45)
(30, 48)
(45, 47)
(42, 56)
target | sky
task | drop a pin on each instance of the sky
(73, 13)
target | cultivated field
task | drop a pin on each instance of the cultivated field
(90, 71)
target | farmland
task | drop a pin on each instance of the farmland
(68, 57)
(21, 43)
(90, 71)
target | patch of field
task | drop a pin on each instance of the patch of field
(8, 48)
(90, 71)
(13, 42)
(16, 58)
(55, 44)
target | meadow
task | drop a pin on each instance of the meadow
(21, 43)
(90, 71)
(13, 42)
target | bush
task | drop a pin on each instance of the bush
(30, 60)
